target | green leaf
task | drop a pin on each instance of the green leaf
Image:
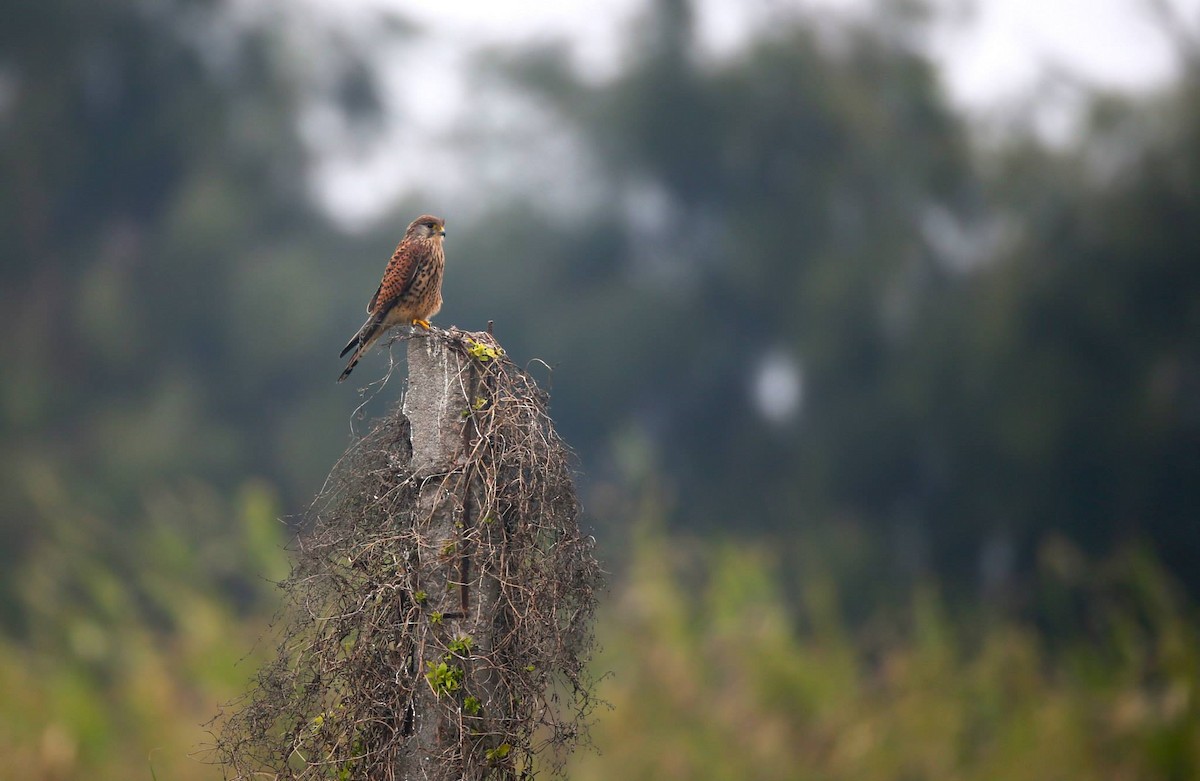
(498, 753)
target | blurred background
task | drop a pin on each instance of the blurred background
(875, 326)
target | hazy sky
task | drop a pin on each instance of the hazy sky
(989, 48)
(995, 55)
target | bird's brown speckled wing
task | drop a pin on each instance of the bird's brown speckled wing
(397, 278)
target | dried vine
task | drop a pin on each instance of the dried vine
(438, 625)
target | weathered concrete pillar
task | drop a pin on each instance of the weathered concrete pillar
(440, 381)
(453, 572)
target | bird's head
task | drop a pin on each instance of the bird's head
(427, 226)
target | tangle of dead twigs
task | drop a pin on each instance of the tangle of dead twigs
(377, 677)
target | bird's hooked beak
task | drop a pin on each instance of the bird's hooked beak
(442, 231)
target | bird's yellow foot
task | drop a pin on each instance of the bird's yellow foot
(423, 323)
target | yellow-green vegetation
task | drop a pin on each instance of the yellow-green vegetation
(461, 645)
(123, 665)
(732, 682)
(498, 753)
(484, 352)
(444, 677)
(479, 402)
(716, 675)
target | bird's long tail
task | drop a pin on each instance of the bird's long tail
(361, 342)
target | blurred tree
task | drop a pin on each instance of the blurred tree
(1069, 394)
(165, 283)
(165, 273)
(765, 253)
(836, 310)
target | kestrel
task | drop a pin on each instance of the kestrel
(411, 290)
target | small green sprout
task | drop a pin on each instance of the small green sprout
(420, 596)
(479, 403)
(484, 352)
(472, 706)
(498, 753)
(435, 617)
(444, 678)
(461, 645)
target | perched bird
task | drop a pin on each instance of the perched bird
(411, 290)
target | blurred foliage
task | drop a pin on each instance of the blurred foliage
(1082, 342)
(771, 204)
(985, 344)
(713, 672)
(717, 675)
(162, 267)
(163, 277)
(130, 644)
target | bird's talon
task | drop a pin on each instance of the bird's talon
(423, 323)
